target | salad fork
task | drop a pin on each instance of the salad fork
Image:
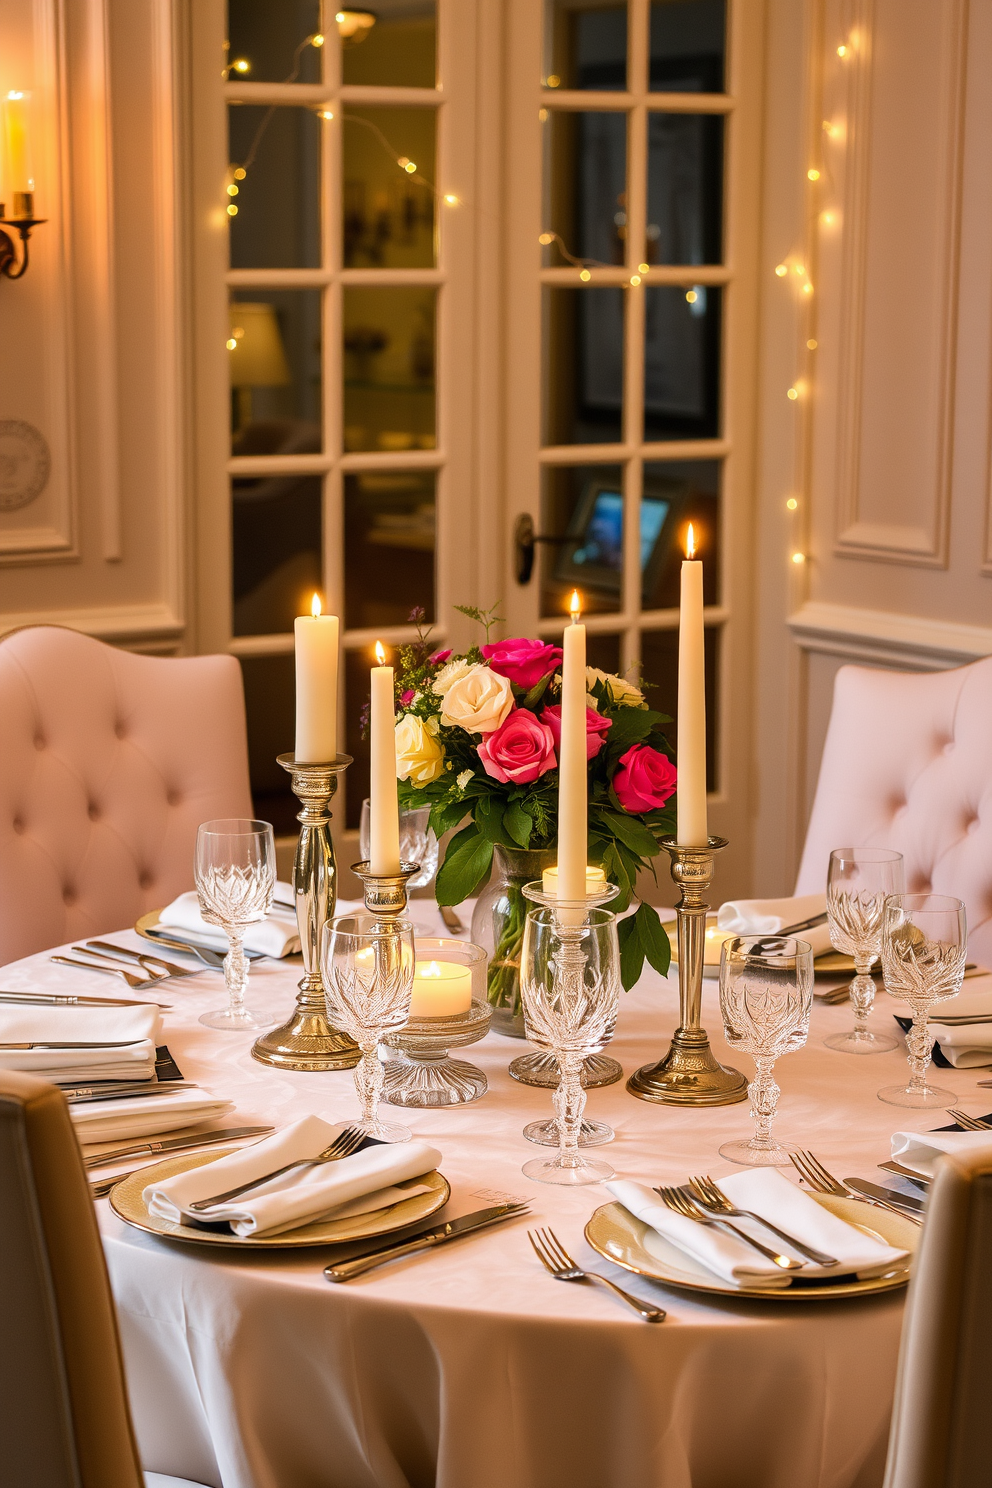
(345, 1143)
(681, 1201)
(816, 1175)
(133, 981)
(715, 1201)
(556, 1260)
(970, 1123)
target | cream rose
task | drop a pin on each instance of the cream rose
(450, 674)
(624, 694)
(419, 756)
(479, 701)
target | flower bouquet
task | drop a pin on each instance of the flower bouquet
(477, 737)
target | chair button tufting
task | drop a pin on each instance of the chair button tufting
(93, 811)
(18, 825)
(173, 798)
(974, 825)
(949, 747)
(39, 741)
(119, 729)
(145, 880)
(68, 896)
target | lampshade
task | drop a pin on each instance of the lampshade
(257, 355)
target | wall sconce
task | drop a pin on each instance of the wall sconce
(20, 182)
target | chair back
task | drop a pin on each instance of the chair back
(939, 1436)
(64, 1406)
(108, 763)
(907, 764)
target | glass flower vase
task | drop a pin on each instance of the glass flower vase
(498, 926)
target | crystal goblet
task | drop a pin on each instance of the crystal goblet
(859, 880)
(570, 987)
(766, 993)
(367, 963)
(235, 873)
(924, 943)
(418, 843)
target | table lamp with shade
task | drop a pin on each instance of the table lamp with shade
(257, 354)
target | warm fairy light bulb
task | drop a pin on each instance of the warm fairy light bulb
(635, 280)
(793, 393)
(799, 268)
(410, 167)
(315, 606)
(842, 51)
(813, 175)
(553, 80)
(232, 210)
(242, 65)
(324, 114)
(380, 653)
(827, 218)
(799, 557)
(643, 268)
(317, 39)
(232, 190)
(585, 276)
(690, 543)
(451, 199)
(575, 606)
(792, 503)
(239, 173)
(781, 270)
(546, 238)
(691, 297)
(231, 343)
(812, 343)
(807, 288)
(542, 115)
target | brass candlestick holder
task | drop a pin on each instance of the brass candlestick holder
(688, 1075)
(307, 1040)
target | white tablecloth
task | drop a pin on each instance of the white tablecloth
(469, 1367)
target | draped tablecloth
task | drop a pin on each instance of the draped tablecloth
(470, 1367)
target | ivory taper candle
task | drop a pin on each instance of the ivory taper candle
(692, 828)
(316, 637)
(384, 815)
(19, 175)
(573, 772)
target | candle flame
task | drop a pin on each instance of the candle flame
(315, 606)
(575, 606)
(430, 970)
(380, 654)
(690, 543)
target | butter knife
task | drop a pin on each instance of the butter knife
(913, 1207)
(88, 1044)
(175, 1144)
(67, 999)
(426, 1240)
(124, 1090)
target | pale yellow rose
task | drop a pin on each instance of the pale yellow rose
(450, 674)
(478, 701)
(419, 756)
(622, 694)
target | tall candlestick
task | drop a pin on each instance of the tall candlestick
(316, 686)
(573, 773)
(692, 828)
(18, 177)
(384, 815)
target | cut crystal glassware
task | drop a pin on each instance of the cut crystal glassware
(570, 983)
(859, 880)
(924, 945)
(417, 842)
(235, 872)
(367, 965)
(766, 993)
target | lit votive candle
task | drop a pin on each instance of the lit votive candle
(595, 881)
(440, 989)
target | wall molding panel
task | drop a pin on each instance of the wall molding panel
(909, 642)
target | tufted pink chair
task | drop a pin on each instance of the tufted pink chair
(907, 764)
(108, 763)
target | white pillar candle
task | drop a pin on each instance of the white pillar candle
(384, 815)
(595, 881)
(691, 829)
(440, 989)
(316, 686)
(573, 776)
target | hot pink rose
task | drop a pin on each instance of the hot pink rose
(520, 750)
(523, 662)
(596, 728)
(437, 658)
(645, 779)
(406, 698)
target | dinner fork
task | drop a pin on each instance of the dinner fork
(556, 1259)
(816, 1175)
(681, 1201)
(118, 971)
(970, 1123)
(111, 952)
(345, 1143)
(713, 1199)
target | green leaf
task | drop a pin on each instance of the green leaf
(447, 815)
(654, 938)
(629, 726)
(466, 863)
(489, 820)
(518, 822)
(537, 691)
(631, 952)
(629, 830)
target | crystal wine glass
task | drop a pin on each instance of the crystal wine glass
(570, 986)
(235, 874)
(417, 842)
(367, 964)
(766, 993)
(924, 942)
(859, 880)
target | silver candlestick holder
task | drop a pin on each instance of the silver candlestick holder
(308, 1040)
(689, 1075)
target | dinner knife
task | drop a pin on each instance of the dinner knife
(67, 999)
(887, 1195)
(124, 1090)
(174, 1144)
(88, 1044)
(910, 1173)
(426, 1240)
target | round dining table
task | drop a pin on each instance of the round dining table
(469, 1366)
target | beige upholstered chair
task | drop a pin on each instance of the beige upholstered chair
(939, 1435)
(64, 1406)
(108, 763)
(907, 764)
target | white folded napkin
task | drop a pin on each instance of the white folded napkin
(770, 1194)
(771, 916)
(966, 1047)
(276, 935)
(370, 1178)
(137, 1028)
(144, 1116)
(922, 1150)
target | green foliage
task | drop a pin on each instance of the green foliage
(487, 618)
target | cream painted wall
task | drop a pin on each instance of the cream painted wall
(886, 448)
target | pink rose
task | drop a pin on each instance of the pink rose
(520, 750)
(406, 698)
(645, 779)
(437, 658)
(596, 728)
(521, 661)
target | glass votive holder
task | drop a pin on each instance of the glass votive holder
(449, 1010)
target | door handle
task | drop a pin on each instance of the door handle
(525, 540)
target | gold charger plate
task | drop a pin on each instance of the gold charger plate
(127, 1204)
(619, 1237)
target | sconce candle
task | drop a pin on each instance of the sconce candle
(316, 686)
(384, 813)
(18, 176)
(692, 826)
